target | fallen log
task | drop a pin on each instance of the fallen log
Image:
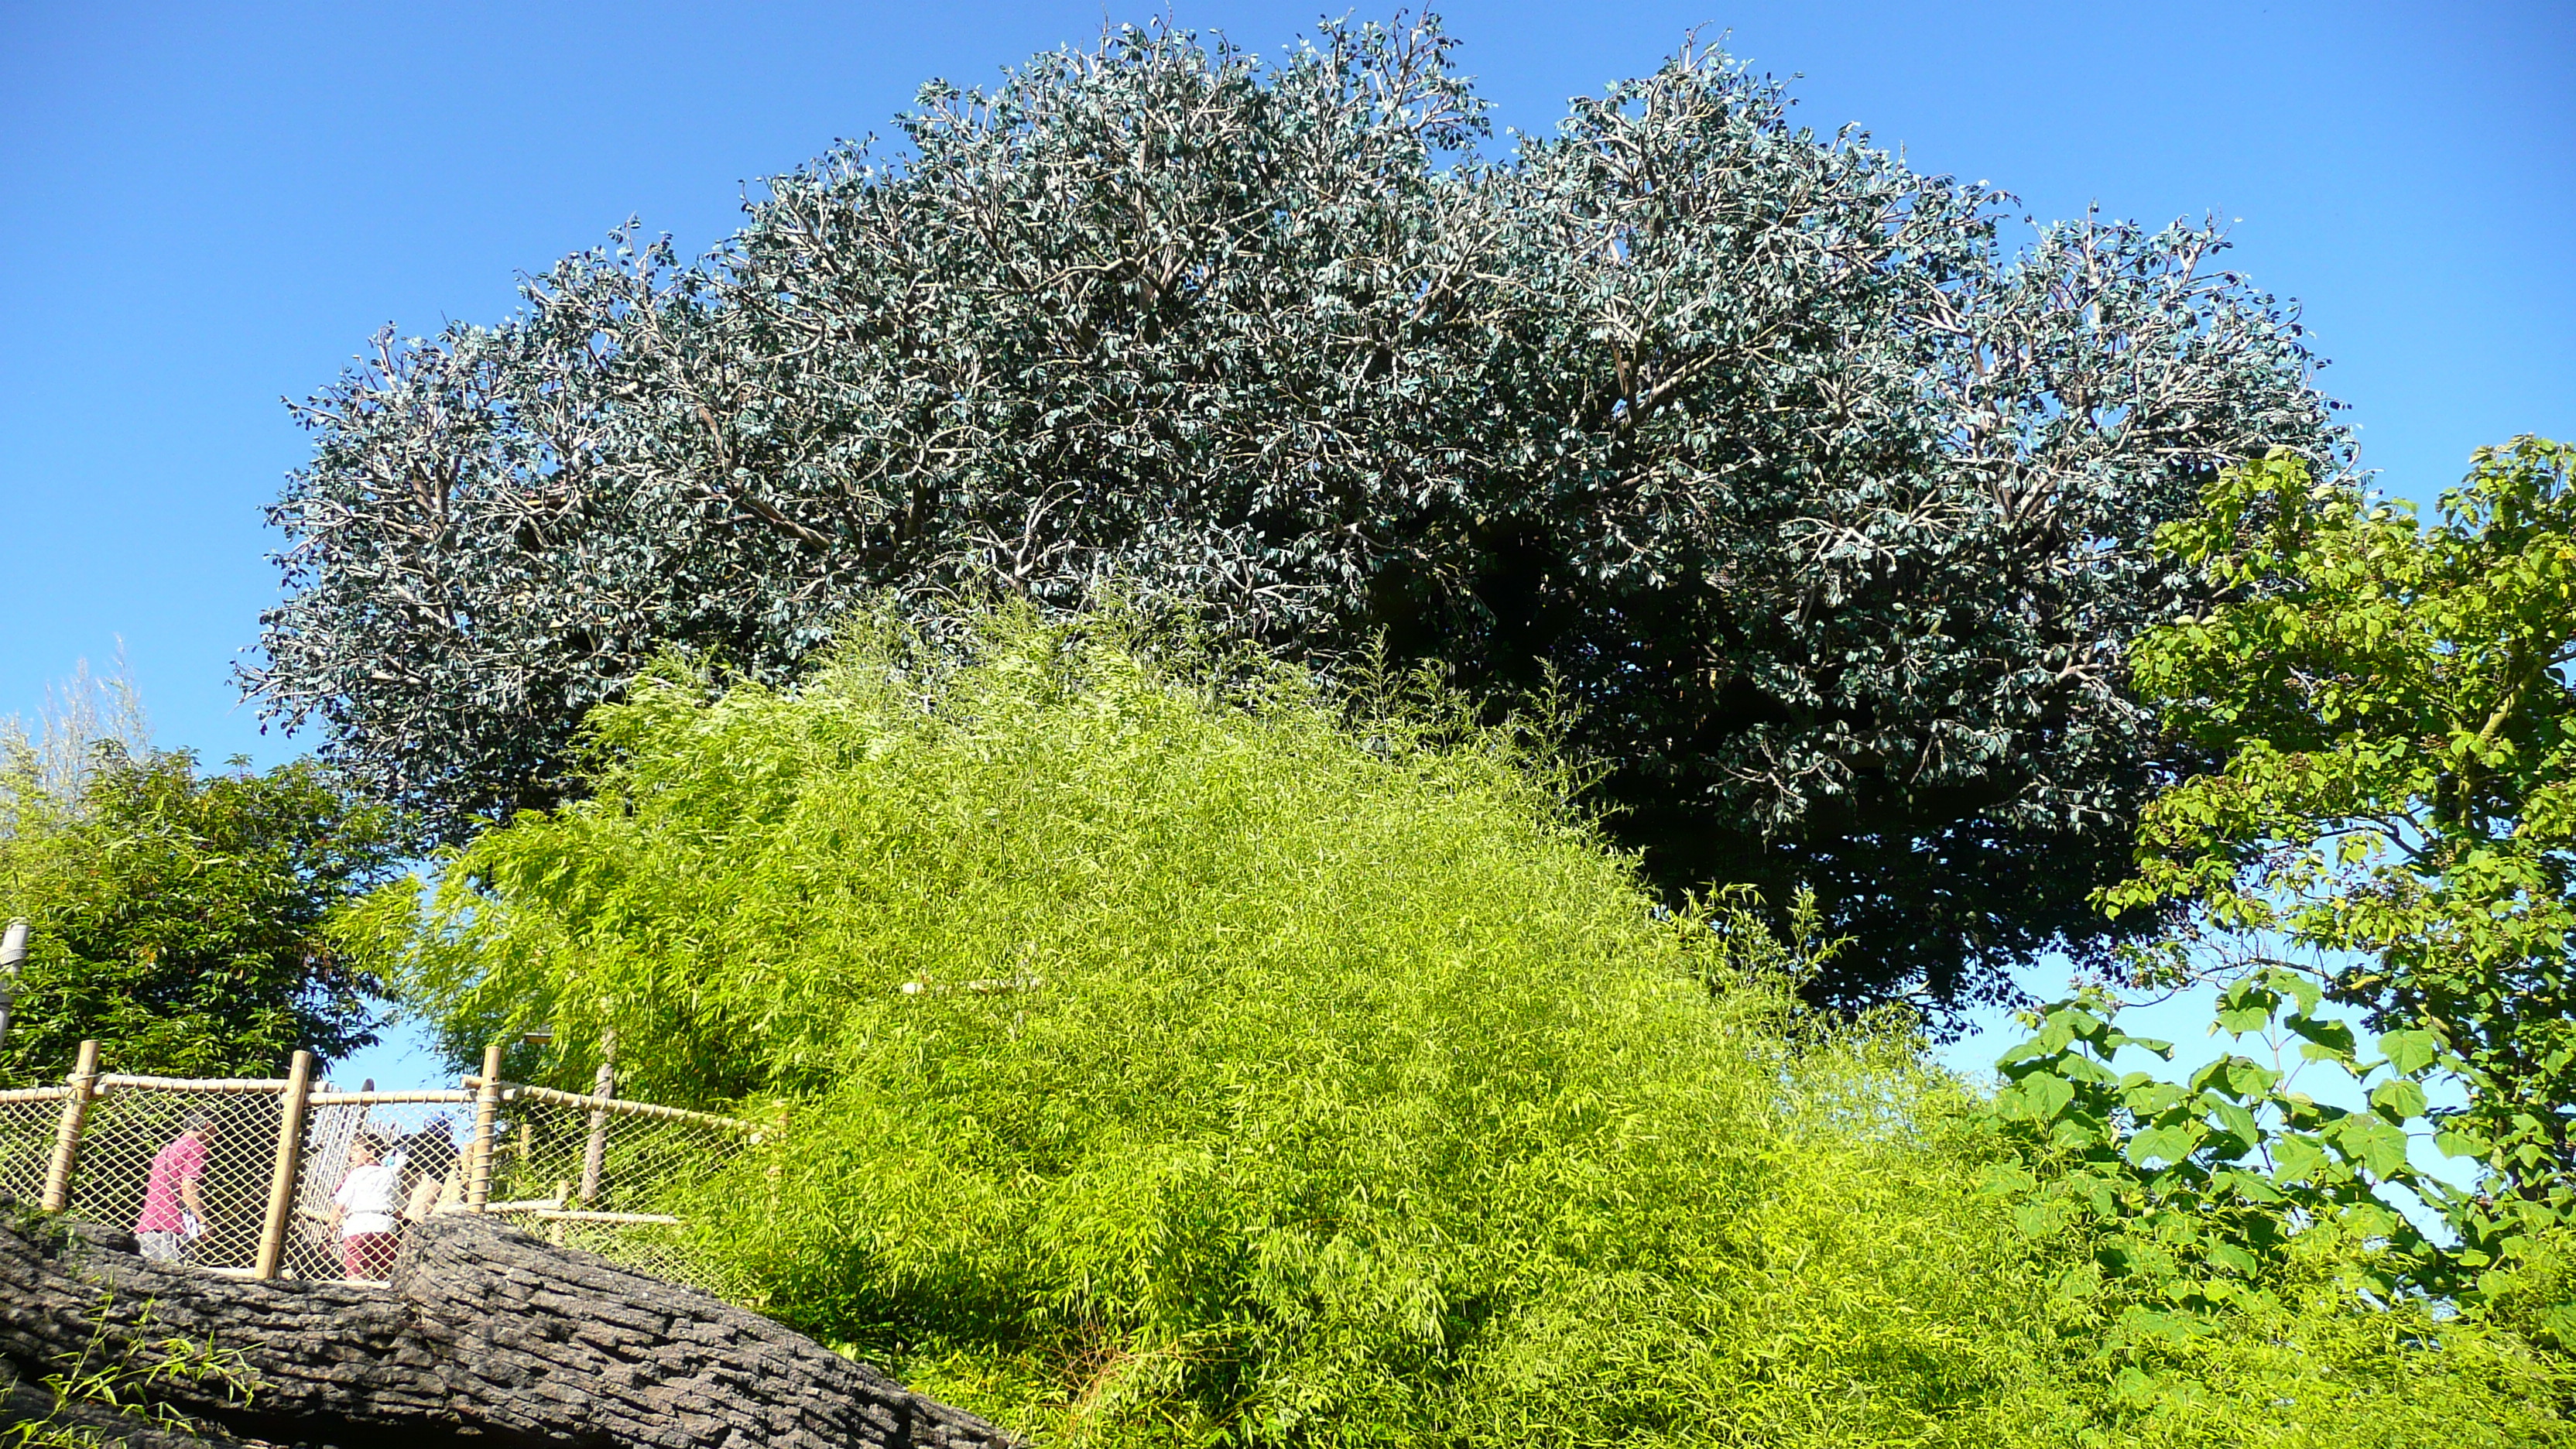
(482, 1336)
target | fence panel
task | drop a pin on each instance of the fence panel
(422, 1136)
(135, 1153)
(621, 1179)
(27, 1121)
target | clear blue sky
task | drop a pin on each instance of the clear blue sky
(205, 207)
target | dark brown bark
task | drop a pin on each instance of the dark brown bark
(485, 1336)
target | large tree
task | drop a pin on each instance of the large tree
(1827, 509)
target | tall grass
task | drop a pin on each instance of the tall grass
(1162, 1063)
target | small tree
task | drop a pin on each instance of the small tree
(52, 758)
(2396, 712)
(180, 917)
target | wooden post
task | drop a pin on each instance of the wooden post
(478, 1153)
(282, 1175)
(13, 954)
(603, 1086)
(58, 1172)
(771, 1174)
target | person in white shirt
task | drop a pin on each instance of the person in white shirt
(363, 1212)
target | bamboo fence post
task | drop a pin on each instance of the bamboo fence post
(290, 1158)
(771, 1173)
(478, 1154)
(58, 1172)
(594, 1154)
(13, 955)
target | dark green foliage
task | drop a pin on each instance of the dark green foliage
(1150, 1063)
(178, 918)
(1826, 509)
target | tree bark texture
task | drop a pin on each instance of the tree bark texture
(484, 1336)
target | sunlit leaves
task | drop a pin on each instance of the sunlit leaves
(2400, 1099)
(1273, 1081)
(183, 918)
(2396, 711)
(2233, 1165)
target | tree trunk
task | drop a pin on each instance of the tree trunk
(485, 1336)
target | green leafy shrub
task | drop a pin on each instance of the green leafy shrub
(2396, 818)
(1159, 1061)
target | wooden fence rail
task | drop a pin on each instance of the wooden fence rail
(116, 1153)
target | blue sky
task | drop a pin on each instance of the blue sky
(204, 208)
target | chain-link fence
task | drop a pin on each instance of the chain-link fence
(185, 1166)
(29, 1118)
(286, 1178)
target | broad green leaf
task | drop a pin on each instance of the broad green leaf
(2452, 1142)
(2046, 1094)
(2242, 1020)
(2169, 1143)
(2333, 1039)
(2409, 1051)
(2297, 1159)
(2400, 1099)
(2239, 1124)
(2376, 1145)
(2233, 1259)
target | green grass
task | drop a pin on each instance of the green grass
(1339, 1088)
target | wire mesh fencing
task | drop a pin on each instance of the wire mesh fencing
(422, 1140)
(29, 1119)
(621, 1179)
(185, 1167)
(280, 1177)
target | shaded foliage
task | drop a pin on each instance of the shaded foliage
(1826, 509)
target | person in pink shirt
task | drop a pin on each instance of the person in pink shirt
(174, 1211)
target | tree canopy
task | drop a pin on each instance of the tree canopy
(179, 917)
(1827, 511)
